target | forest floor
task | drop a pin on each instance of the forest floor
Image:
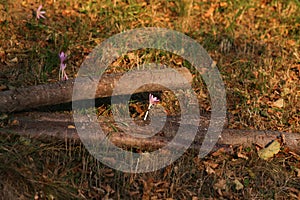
(256, 47)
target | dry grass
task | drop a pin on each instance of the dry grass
(57, 170)
(256, 46)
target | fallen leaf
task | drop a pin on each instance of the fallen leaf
(211, 10)
(297, 172)
(15, 60)
(218, 152)
(291, 42)
(25, 141)
(240, 155)
(71, 127)
(209, 170)
(270, 150)
(238, 184)
(279, 103)
(211, 164)
(220, 185)
(251, 173)
(15, 123)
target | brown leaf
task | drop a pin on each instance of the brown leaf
(211, 164)
(211, 10)
(297, 172)
(209, 170)
(240, 155)
(279, 103)
(218, 152)
(238, 184)
(15, 123)
(221, 185)
(270, 150)
(71, 127)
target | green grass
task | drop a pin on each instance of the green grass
(256, 47)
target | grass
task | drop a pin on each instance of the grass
(256, 46)
(66, 170)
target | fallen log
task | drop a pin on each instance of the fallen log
(61, 126)
(62, 92)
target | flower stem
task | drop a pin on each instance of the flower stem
(149, 107)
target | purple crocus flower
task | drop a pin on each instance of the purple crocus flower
(152, 101)
(62, 57)
(62, 73)
(40, 13)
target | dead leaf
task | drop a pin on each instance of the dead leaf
(297, 172)
(238, 184)
(25, 141)
(209, 170)
(218, 152)
(223, 4)
(14, 60)
(220, 185)
(279, 103)
(71, 127)
(251, 173)
(240, 155)
(270, 150)
(291, 42)
(15, 122)
(211, 10)
(211, 164)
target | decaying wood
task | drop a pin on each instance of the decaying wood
(62, 92)
(61, 126)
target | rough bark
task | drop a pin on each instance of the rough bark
(62, 92)
(58, 125)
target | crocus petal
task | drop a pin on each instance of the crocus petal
(153, 100)
(62, 57)
(62, 54)
(42, 16)
(39, 13)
